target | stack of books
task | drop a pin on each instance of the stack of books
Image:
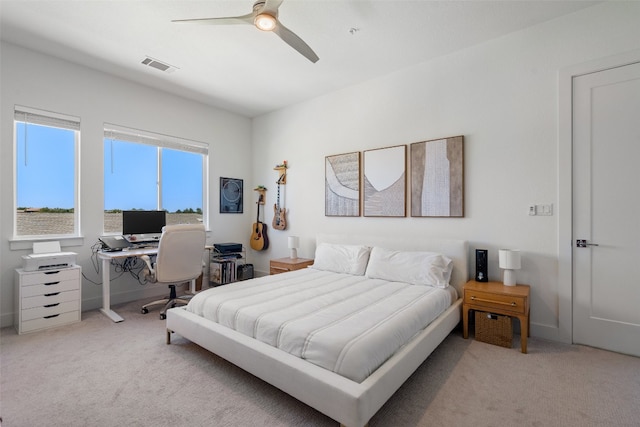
(223, 269)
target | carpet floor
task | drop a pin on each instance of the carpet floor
(100, 373)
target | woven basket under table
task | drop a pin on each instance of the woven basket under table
(494, 329)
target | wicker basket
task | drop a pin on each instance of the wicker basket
(494, 329)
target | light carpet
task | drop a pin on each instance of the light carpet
(100, 373)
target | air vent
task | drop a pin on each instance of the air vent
(159, 65)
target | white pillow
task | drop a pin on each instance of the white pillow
(417, 268)
(350, 259)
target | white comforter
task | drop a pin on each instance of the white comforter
(347, 324)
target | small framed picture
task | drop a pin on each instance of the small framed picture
(231, 190)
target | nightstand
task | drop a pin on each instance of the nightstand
(512, 301)
(282, 265)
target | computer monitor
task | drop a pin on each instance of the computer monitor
(138, 223)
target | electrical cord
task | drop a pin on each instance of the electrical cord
(131, 265)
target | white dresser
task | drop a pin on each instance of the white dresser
(46, 299)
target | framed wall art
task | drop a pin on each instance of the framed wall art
(385, 182)
(437, 178)
(342, 185)
(231, 200)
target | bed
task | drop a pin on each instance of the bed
(351, 397)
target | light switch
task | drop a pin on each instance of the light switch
(545, 210)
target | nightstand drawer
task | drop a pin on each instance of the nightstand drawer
(283, 265)
(515, 304)
(277, 269)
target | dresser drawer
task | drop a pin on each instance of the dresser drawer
(50, 288)
(50, 322)
(51, 310)
(48, 299)
(40, 277)
(512, 303)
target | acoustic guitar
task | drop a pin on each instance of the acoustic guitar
(259, 240)
(279, 220)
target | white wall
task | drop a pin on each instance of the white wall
(502, 96)
(40, 81)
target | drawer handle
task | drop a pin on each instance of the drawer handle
(52, 316)
(52, 272)
(52, 294)
(51, 305)
(511, 304)
(51, 283)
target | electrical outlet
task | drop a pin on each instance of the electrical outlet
(532, 210)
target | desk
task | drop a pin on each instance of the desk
(106, 258)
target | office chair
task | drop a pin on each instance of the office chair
(179, 260)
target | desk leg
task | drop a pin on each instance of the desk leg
(106, 293)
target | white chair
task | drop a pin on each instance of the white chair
(179, 260)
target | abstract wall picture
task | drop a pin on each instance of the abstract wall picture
(231, 190)
(385, 182)
(437, 178)
(342, 185)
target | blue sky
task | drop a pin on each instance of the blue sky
(45, 173)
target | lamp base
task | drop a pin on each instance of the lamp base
(509, 277)
(293, 253)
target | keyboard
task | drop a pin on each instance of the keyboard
(142, 238)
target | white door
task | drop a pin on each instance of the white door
(606, 209)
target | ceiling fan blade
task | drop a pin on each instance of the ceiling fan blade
(271, 7)
(231, 20)
(290, 38)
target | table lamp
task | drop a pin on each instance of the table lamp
(294, 243)
(509, 260)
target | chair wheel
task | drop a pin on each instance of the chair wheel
(144, 311)
(163, 316)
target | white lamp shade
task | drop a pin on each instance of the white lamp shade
(509, 259)
(293, 243)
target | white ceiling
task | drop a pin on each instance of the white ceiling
(244, 70)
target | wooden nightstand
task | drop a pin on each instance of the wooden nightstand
(510, 301)
(282, 265)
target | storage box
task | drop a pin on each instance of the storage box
(494, 329)
(245, 271)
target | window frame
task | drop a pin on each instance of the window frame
(40, 117)
(160, 141)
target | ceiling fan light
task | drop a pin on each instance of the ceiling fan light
(265, 22)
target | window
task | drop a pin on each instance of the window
(46, 150)
(149, 171)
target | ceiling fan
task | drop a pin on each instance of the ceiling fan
(265, 18)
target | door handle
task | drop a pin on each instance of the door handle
(583, 243)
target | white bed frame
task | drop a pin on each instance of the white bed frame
(348, 402)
